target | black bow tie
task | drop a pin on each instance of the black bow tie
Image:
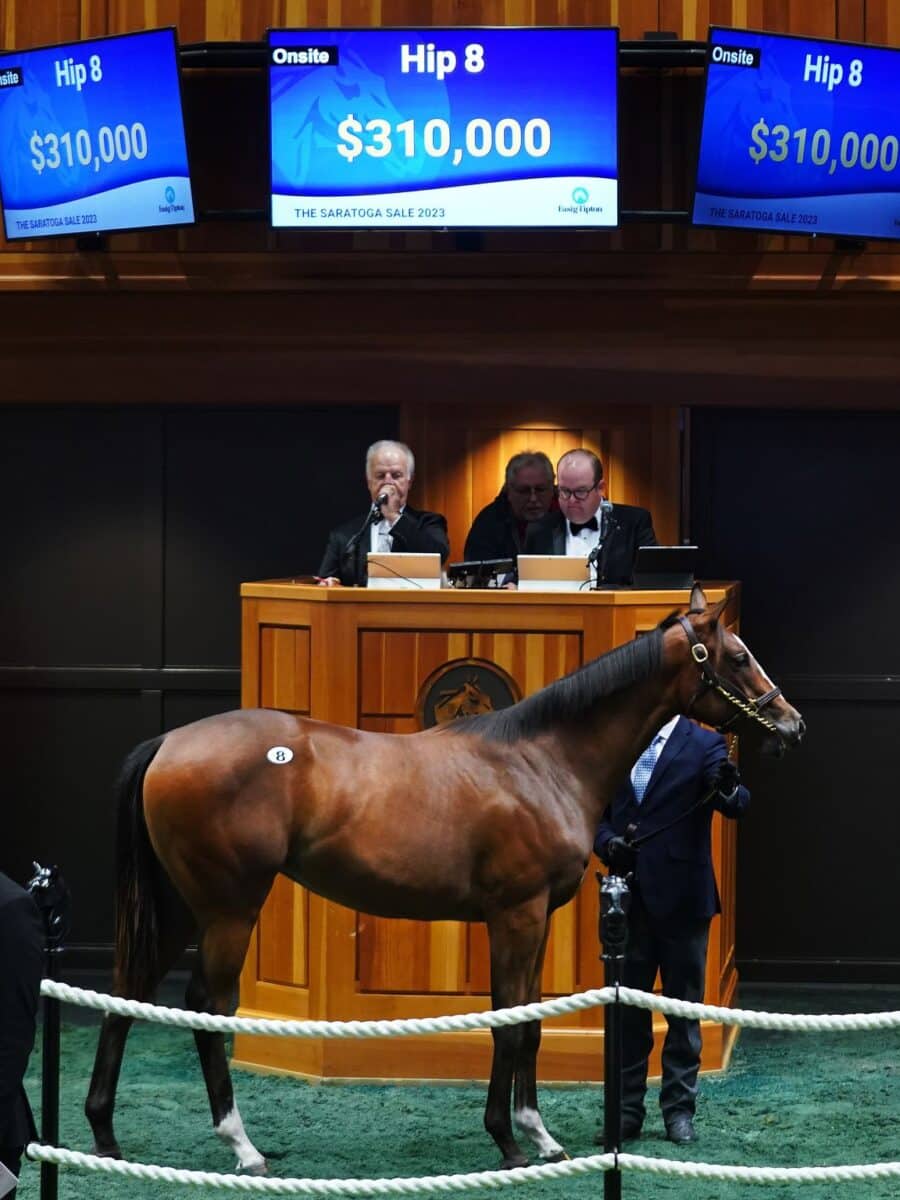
(576, 528)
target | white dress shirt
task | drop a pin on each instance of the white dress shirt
(379, 539)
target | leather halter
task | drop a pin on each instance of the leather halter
(747, 706)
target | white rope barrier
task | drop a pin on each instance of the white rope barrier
(796, 1022)
(464, 1021)
(470, 1181)
(326, 1187)
(270, 1027)
(411, 1026)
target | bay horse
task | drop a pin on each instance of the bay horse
(491, 818)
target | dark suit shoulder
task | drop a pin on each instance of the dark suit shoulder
(707, 738)
(632, 512)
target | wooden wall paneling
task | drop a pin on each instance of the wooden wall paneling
(478, 961)
(283, 935)
(284, 669)
(811, 18)
(393, 666)
(419, 957)
(634, 17)
(27, 24)
(882, 22)
(851, 21)
(393, 955)
(251, 657)
(468, 451)
(388, 724)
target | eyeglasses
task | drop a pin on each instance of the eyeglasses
(541, 490)
(581, 493)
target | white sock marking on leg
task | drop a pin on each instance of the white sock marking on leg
(231, 1130)
(530, 1123)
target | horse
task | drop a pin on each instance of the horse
(467, 700)
(491, 818)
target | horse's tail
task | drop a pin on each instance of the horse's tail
(138, 879)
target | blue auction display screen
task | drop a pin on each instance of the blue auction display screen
(456, 127)
(799, 136)
(92, 137)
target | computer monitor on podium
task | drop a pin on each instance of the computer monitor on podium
(664, 566)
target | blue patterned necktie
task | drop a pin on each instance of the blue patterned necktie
(643, 768)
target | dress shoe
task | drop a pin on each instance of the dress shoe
(680, 1130)
(631, 1129)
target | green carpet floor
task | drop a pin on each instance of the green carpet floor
(787, 1099)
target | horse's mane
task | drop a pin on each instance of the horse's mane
(568, 697)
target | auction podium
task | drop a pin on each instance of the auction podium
(393, 661)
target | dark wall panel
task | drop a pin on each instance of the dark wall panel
(181, 708)
(80, 490)
(58, 776)
(252, 495)
(802, 508)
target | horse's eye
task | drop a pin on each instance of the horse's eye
(741, 660)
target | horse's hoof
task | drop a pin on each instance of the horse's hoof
(256, 1167)
(517, 1160)
(557, 1156)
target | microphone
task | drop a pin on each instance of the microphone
(600, 553)
(382, 499)
(606, 509)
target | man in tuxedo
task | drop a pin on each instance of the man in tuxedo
(587, 523)
(21, 956)
(390, 526)
(526, 496)
(681, 777)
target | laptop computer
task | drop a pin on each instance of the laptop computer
(552, 573)
(665, 566)
(409, 571)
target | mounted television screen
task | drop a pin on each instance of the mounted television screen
(799, 136)
(92, 137)
(432, 128)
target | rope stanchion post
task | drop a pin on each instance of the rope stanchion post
(51, 895)
(614, 901)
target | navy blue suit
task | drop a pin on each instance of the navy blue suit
(674, 896)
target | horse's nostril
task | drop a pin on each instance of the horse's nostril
(801, 729)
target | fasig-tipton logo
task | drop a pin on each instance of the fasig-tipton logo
(735, 56)
(11, 77)
(304, 56)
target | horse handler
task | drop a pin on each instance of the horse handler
(21, 955)
(669, 799)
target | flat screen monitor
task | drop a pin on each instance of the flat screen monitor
(443, 128)
(664, 566)
(799, 136)
(92, 137)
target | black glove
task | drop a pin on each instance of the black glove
(727, 779)
(621, 856)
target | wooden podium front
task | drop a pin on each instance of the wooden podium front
(359, 658)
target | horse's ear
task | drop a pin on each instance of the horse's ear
(718, 610)
(698, 599)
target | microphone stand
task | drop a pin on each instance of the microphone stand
(604, 552)
(373, 515)
(600, 554)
